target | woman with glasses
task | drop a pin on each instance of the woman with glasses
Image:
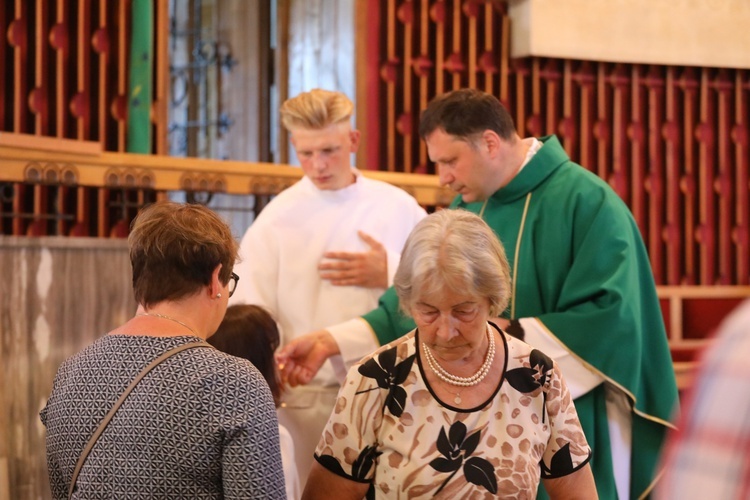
(200, 423)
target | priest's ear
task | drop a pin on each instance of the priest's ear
(491, 142)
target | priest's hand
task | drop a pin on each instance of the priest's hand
(301, 358)
(366, 269)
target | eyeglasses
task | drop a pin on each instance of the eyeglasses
(232, 285)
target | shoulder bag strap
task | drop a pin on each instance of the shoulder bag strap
(111, 413)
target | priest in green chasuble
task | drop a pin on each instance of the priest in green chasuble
(583, 290)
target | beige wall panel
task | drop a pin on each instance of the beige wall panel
(712, 33)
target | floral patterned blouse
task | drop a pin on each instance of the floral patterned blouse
(389, 429)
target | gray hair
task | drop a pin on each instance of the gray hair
(454, 249)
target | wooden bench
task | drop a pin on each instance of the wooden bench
(692, 315)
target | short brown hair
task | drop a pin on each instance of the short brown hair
(316, 109)
(466, 113)
(174, 249)
(249, 332)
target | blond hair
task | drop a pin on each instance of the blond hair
(316, 109)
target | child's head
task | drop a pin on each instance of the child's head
(249, 332)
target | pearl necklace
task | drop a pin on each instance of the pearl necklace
(451, 379)
(170, 318)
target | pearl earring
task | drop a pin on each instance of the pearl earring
(218, 295)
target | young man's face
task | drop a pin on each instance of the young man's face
(461, 165)
(324, 154)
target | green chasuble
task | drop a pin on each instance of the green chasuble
(583, 272)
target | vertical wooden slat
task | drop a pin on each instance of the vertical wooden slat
(407, 88)
(741, 231)
(81, 101)
(123, 23)
(636, 136)
(488, 46)
(505, 59)
(602, 127)
(689, 182)
(38, 98)
(391, 87)
(101, 47)
(705, 195)
(439, 46)
(722, 184)
(618, 153)
(17, 34)
(59, 37)
(424, 97)
(661, 108)
(472, 34)
(161, 68)
(672, 182)
(456, 46)
(586, 81)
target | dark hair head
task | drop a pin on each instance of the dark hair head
(465, 113)
(249, 332)
(174, 249)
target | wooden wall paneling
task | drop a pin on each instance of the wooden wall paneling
(741, 230)
(405, 120)
(38, 96)
(722, 85)
(672, 201)
(81, 102)
(691, 216)
(18, 37)
(707, 206)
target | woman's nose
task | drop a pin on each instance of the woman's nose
(446, 327)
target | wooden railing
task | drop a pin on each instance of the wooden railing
(33, 159)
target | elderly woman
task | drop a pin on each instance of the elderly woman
(456, 408)
(199, 424)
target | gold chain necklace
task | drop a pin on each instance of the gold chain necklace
(170, 318)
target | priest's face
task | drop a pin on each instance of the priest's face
(324, 154)
(462, 165)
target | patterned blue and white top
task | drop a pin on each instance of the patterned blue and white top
(202, 424)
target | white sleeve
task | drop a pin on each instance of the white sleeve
(257, 268)
(356, 340)
(579, 378)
